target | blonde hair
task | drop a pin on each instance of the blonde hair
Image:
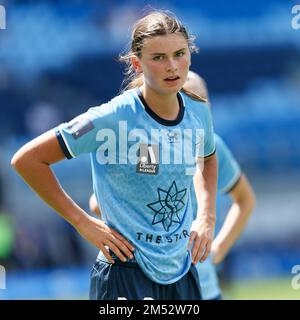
(155, 23)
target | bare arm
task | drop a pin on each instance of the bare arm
(236, 219)
(203, 227)
(33, 163)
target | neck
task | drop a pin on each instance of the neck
(166, 106)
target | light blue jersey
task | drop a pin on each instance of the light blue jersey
(229, 173)
(142, 167)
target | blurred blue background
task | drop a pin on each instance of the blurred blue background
(58, 58)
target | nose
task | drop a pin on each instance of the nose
(171, 65)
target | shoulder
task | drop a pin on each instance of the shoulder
(223, 152)
(193, 99)
(219, 140)
(199, 107)
(126, 99)
(121, 104)
(221, 146)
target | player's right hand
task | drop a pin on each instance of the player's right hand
(105, 238)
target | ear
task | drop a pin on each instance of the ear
(136, 64)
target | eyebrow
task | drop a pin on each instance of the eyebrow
(163, 54)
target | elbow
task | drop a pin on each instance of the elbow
(247, 203)
(250, 203)
(244, 196)
(19, 160)
(16, 160)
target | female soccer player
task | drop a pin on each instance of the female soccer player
(230, 180)
(143, 145)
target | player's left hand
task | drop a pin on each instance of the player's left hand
(202, 235)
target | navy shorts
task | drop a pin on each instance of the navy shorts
(127, 281)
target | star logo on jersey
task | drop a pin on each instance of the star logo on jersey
(168, 206)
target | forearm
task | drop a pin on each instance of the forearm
(205, 189)
(40, 178)
(234, 224)
(243, 204)
(202, 230)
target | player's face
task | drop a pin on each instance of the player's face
(165, 62)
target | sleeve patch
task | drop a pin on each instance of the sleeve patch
(80, 127)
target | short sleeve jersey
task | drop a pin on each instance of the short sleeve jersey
(142, 169)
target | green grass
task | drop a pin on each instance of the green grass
(275, 289)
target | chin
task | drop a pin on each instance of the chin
(172, 90)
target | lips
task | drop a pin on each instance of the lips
(173, 78)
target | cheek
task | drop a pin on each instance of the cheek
(185, 63)
(157, 67)
(154, 69)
